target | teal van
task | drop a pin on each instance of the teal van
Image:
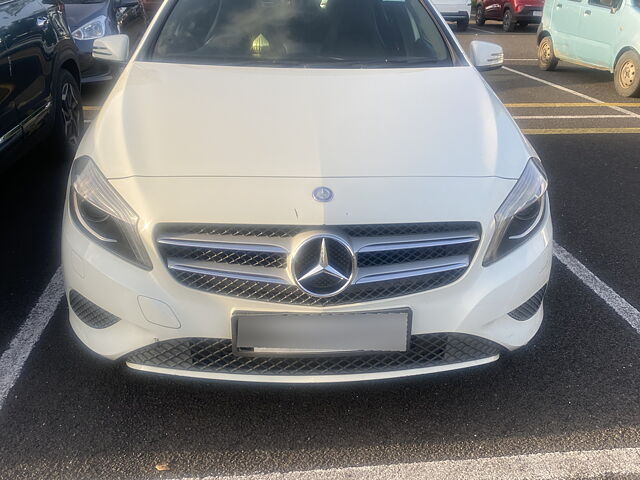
(603, 34)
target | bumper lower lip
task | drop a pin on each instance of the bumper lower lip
(313, 379)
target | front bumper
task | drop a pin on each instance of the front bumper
(154, 308)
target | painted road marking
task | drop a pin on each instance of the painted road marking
(90, 108)
(565, 117)
(538, 466)
(604, 291)
(568, 90)
(571, 105)
(578, 131)
(14, 358)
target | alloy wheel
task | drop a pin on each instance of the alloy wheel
(70, 109)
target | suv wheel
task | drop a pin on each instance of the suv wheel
(462, 25)
(547, 59)
(626, 77)
(508, 22)
(68, 123)
(480, 18)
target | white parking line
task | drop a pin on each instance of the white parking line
(14, 358)
(565, 117)
(573, 92)
(539, 466)
(604, 291)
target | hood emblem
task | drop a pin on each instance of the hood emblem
(323, 194)
(323, 266)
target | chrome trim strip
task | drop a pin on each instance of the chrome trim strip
(223, 243)
(410, 270)
(36, 116)
(15, 131)
(239, 272)
(404, 242)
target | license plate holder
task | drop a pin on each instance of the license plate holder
(270, 334)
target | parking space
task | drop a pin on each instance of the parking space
(575, 388)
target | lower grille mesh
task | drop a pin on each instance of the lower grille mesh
(216, 356)
(90, 313)
(529, 308)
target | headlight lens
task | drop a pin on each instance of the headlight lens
(96, 28)
(99, 211)
(520, 214)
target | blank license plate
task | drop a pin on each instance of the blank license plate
(537, 14)
(321, 334)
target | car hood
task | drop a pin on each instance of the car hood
(186, 120)
(80, 13)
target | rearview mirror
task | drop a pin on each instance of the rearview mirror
(112, 48)
(486, 56)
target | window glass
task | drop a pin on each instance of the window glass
(356, 33)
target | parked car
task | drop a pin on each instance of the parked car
(455, 11)
(510, 12)
(603, 34)
(93, 19)
(39, 79)
(276, 191)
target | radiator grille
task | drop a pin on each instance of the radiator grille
(252, 261)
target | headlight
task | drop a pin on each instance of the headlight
(520, 214)
(99, 211)
(96, 28)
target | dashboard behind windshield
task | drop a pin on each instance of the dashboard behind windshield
(359, 33)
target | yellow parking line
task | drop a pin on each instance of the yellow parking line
(90, 108)
(577, 131)
(571, 105)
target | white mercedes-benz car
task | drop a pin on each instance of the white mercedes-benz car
(304, 191)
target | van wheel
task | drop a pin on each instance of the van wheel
(462, 25)
(547, 59)
(68, 123)
(480, 18)
(626, 77)
(508, 22)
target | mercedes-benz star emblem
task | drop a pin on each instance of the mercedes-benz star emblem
(323, 266)
(323, 194)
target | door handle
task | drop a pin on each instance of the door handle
(558, 5)
(587, 13)
(42, 22)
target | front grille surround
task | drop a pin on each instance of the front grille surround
(253, 261)
(216, 356)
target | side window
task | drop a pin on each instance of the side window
(605, 3)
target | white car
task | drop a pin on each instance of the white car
(455, 11)
(274, 193)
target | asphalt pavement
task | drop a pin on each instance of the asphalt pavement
(574, 388)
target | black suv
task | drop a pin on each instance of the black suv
(39, 78)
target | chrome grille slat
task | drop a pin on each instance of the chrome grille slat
(250, 261)
(238, 272)
(409, 270)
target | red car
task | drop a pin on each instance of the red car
(510, 12)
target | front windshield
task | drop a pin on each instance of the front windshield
(302, 33)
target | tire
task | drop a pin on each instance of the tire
(508, 22)
(547, 59)
(480, 18)
(69, 120)
(462, 25)
(626, 76)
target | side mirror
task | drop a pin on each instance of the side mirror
(126, 3)
(112, 48)
(486, 56)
